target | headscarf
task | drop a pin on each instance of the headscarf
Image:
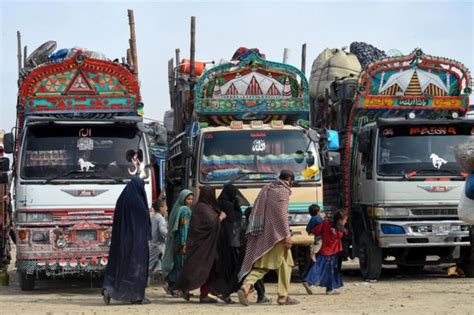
(173, 225)
(173, 219)
(229, 202)
(207, 195)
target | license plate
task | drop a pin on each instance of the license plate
(443, 228)
(86, 235)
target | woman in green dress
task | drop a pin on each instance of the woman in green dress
(178, 226)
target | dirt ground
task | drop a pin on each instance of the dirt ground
(431, 292)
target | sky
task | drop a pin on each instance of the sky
(440, 28)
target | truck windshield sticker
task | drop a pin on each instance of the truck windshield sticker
(258, 145)
(85, 144)
(85, 165)
(437, 161)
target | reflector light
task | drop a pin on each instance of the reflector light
(236, 124)
(255, 124)
(277, 124)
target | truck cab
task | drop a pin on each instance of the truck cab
(406, 185)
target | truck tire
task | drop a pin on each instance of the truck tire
(27, 282)
(467, 263)
(370, 258)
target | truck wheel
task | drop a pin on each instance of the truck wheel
(27, 282)
(467, 263)
(370, 258)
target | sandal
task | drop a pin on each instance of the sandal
(264, 300)
(243, 297)
(208, 300)
(186, 296)
(106, 297)
(287, 301)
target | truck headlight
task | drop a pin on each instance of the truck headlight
(388, 212)
(26, 217)
(299, 219)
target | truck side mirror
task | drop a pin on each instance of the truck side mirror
(3, 178)
(313, 135)
(333, 140)
(4, 164)
(186, 149)
(334, 158)
(8, 143)
(363, 142)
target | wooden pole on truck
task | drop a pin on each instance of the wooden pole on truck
(133, 42)
(129, 58)
(25, 54)
(178, 58)
(171, 82)
(303, 59)
(193, 48)
(286, 55)
(18, 41)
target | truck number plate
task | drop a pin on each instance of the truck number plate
(443, 228)
(86, 235)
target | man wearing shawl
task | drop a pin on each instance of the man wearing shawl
(269, 240)
(201, 247)
(126, 274)
(178, 226)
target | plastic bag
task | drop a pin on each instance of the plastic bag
(466, 204)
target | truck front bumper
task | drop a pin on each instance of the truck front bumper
(300, 237)
(403, 234)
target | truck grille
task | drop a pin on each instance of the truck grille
(434, 211)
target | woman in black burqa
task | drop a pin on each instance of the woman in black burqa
(126, 274)
(201, 246)
(229, 245)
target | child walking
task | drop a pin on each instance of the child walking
(325, 273)
(159, 233)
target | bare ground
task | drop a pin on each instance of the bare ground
(431, 292)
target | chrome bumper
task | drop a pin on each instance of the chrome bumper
(438, 236)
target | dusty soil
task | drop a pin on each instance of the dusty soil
(427, 293)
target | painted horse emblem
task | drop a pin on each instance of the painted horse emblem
(437, 161)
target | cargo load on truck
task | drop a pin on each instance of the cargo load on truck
(398, 127)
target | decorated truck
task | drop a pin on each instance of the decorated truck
(79, 139)
(241, 122)
(399, 181)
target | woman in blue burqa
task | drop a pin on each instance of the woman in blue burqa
(126, 274)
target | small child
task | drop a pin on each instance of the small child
(315, 213)
(159, 233)
(324, 272)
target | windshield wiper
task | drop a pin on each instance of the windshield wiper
(115, 179)
(427, 171)
(65, 174)
(241, 175)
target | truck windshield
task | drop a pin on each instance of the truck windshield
(56, 151)
(256, 155)
(427, 150)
